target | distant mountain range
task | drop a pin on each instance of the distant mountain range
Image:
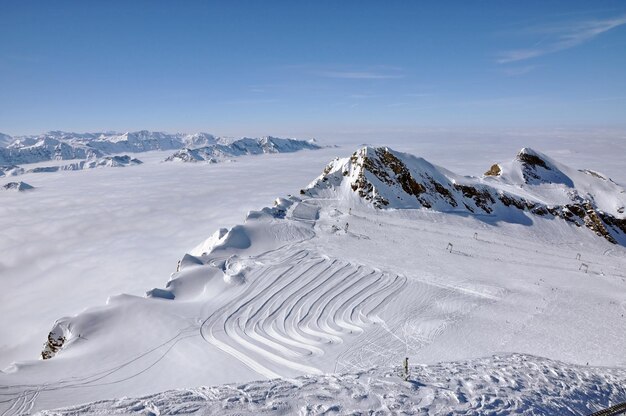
(58, 145)
(223, 149)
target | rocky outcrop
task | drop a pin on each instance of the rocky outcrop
(17, 186)
(56, 340)
(390, 179)
(494, 170)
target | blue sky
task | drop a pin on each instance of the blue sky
(263, 67)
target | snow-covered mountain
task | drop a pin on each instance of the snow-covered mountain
(10, 170)
(17, 186)
(532, 182)
(5, 140)
(57, 145)
(224, 149)
(384, 256)
(45, 147)
(106, 161)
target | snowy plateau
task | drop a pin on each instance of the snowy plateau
(505, 290)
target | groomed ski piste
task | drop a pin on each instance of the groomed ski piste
(327, 286)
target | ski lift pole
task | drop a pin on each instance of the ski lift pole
(406, 368)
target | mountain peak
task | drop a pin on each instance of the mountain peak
(17, 186)
(537, 168)
(387, 178)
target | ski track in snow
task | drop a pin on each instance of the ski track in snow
(296, 306)
(23, 401)
(513, 384)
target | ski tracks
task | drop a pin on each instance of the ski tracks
(297, 306)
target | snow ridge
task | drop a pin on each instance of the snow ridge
(58, 145)
(246, 146)
(5, 140)
(532, 183)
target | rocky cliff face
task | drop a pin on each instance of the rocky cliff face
(532, 183)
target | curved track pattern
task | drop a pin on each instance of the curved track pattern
(293, 308)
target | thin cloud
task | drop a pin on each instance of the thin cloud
(560, 37)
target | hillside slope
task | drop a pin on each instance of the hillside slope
(490, 386)
(532, 183)
(335, 280)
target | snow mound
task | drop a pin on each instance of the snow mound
(17, 186)
(225, 149)
(513, 384)
(532, 183)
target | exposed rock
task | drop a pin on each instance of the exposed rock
(56, 340)
(494, 170)
(17, 186)
(404, 178)
(482, 199)
(444, 192)
(592, 173)
(390, 179)
(531, 160)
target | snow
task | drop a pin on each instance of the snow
(5, 140)
(107, 161)
(58, 145)
(11, 170)
(532, 182)
(315, 284)
(17, 186)
(100, 232)
(225, 149)
(509, 384)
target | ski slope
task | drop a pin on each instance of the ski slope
(103, 232)
(323, 283)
